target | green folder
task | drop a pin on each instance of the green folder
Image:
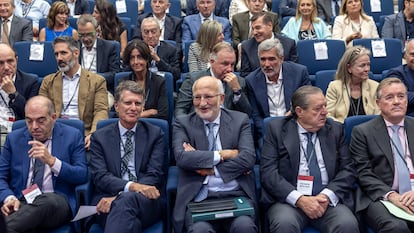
(220, 208)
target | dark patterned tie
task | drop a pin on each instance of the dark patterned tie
(313, 165)
(128, 153)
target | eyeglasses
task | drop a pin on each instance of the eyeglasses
(88, 34)
(208, 98)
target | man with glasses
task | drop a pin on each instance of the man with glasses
(383, 154)
(97, 55)
(215, 154)
(222, 60)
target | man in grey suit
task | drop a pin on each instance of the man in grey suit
(222, 60)
(383, 153)
(18, 28)
(215, 155)
(328, 9)
(306, 173)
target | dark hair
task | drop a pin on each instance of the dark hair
(70, 41)
(57, 8)
(127, 85)
(266, 18)
(142, 48)
(110, 23)
(301, 98)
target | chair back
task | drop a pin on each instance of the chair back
(387, 8)
(323, 78)
(352, 121)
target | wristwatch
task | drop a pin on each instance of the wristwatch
(12, 96)
(237, 92)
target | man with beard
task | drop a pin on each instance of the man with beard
(97, 55)
(76, 92)
(270, 87)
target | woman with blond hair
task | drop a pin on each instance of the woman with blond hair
(306, 25)
(211, 33)
(57, 23)
(353, 23)
(352, 93)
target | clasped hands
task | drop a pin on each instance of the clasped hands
(313, 206)
(404, 201)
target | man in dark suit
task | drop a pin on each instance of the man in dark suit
(165, 57)
(18, 28)
(170, 25)
(383, 163)
(222, 60)
(270, 90)
(77, 7)
(97, 55)
(192, 23)
(215, 155)
(241, 25)
(221, 8)
(127, 166)
(406, 74)
(45, 156)
(262, 29)
(328, 9)
(307, 174)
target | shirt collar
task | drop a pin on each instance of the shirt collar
(76, 75)
(217, 120)
(202, 17)
(93, 47)
(123, 130)
(389, 124)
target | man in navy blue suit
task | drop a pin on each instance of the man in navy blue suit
(127, 166)
(45, 156)
(270, 87)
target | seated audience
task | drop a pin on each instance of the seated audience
(210, 34)
(239, 6)
(353, 23)
(406, 74)
(33, 10)
(76, 92)
(306, 25)
(57, 23)
(127, 167)
(18, 28)
(221, 8)
(46, 159)
(307, 174)
(352, 93)
(262, 29)
(77, 7)
(110, 27)
(138, 58)
(383, 156)
(271, 86)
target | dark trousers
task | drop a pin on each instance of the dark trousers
(48, 211)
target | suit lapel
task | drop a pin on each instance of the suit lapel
(57, 96)
(383, 140)
(328, 149)
(115, 150)
(26, 161)
(140, 146)
(291, 141)
(83, 92)
(99, 50)
(225, 131)
(260, 84)
(199, 140)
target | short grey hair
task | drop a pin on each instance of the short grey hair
(151, 19)
(269, 44)
(127, 85)
(87, 18)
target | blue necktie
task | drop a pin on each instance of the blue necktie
(128, 151)
(404, 184)
(313, 165)
(38, 172)
(203, 193)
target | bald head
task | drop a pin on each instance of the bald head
(40, 117)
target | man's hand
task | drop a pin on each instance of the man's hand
(40, 151)
(88, 141)
(188, 147)
(154, 54)
(7, 85)
(10, 206)
(206, 172)
(104, 205)
(229, 154)
(231, 80)
(148, 191)
(404, 201)
(313, 206)
(356, 35)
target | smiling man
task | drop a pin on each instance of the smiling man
(76, 92)
(18, 28)
(270, 87)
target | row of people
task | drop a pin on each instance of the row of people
(215, 155)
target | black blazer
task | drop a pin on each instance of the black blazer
(27, 87)
(170, 59)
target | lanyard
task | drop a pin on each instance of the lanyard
(71, 98)
(27, 8)
(309, 158)
(90, 64)
(4, 101)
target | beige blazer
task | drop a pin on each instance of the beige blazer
(338, 100)
(342, 28)
(92, 97)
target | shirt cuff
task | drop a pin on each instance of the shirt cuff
(56, 167)
(387, 194)
(126, 189)
(333, 199)
(293, 197)
(217, 158)
(10, 197)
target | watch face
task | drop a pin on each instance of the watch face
(12, 96)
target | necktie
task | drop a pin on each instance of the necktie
(5, 33)
(203, 193)
(402, 169)
(38, 172)
(128, 151)
(313, 165)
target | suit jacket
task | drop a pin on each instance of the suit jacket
(20, 30)
(81, 6)
(294, 76)
(250, 57)
(394, 27)
(342, 28)
(404, 73)
(325, 10)
(337, 99)
(184, 103)
(107, 61)
(221, 9)
(67, 146)
(92, 97)
(192, 23)
(27, 87)
(371, 151)
(155, 94)
(172, 27)
(287, 8)
(170, 59)
(105, 163)
(280, 160)
(234, 133)
(241, 22)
